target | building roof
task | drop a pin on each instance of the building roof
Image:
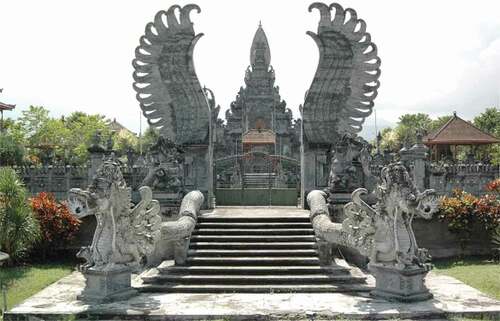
(4, 106)
(459, 132)
(259, 136)
(117, 127)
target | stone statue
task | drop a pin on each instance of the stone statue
(168, 89)
(124, 234)
(383, 232)
(165, 164)
(350, 164)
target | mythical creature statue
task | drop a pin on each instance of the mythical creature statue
(168, 89)
(125, 234)
(165, 163)
(345, 85)
(349, 167)
(384, 232)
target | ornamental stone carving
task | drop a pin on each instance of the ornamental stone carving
(383, 232)
(124, 235)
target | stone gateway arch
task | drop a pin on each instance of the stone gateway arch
(260, 148)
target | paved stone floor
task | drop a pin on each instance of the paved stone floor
(58, 301)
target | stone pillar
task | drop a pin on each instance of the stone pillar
(97, 152)
(418, 157)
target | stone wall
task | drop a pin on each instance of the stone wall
(60, 179)
(441, 243)
(471, 178)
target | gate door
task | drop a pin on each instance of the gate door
(256, 179)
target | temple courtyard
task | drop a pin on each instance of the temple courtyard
(252, 208)
(452, 298)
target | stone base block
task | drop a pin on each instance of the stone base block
(406, 285)
(107, 286)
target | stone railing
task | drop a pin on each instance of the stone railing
(179, 231)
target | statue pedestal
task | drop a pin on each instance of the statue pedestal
(107, 286)
(406, 285)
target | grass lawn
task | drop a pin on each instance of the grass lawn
(24, 281)
(479, 273)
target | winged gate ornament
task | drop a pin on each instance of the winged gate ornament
(168, 89)
(346, 81)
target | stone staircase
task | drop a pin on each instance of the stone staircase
(254, 255)
(259, 180)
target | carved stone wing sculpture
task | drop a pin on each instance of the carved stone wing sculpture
(146, 222)
(168, 89)
(345, 84)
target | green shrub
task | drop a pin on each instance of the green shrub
(19, 229)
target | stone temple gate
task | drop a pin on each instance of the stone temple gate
(260, 155)
(260, 138)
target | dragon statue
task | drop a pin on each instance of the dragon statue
(384, 232)
(125, 234)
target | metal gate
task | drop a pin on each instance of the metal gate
(257, 179)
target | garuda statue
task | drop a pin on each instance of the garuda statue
(125, 233)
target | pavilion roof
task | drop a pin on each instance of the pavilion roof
(4, 106)
(459, 132)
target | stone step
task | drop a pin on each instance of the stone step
(252, 252)
(253, 238)
(265, 260)
(254, 288)
(251, 269)
(254, 225)
(253, 231)
(252, 245)
(244, 279)
(253, 219)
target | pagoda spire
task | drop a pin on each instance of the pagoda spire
(260, 54)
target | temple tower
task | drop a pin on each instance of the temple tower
(258, 119)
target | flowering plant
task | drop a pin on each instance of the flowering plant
(57, 224)
(462, 210)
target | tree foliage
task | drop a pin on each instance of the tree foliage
(11, 152)
(489, 121)
(65, 139)
(19, 229)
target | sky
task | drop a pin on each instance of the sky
(437, 56)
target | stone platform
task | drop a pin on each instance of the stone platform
(59, 302)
